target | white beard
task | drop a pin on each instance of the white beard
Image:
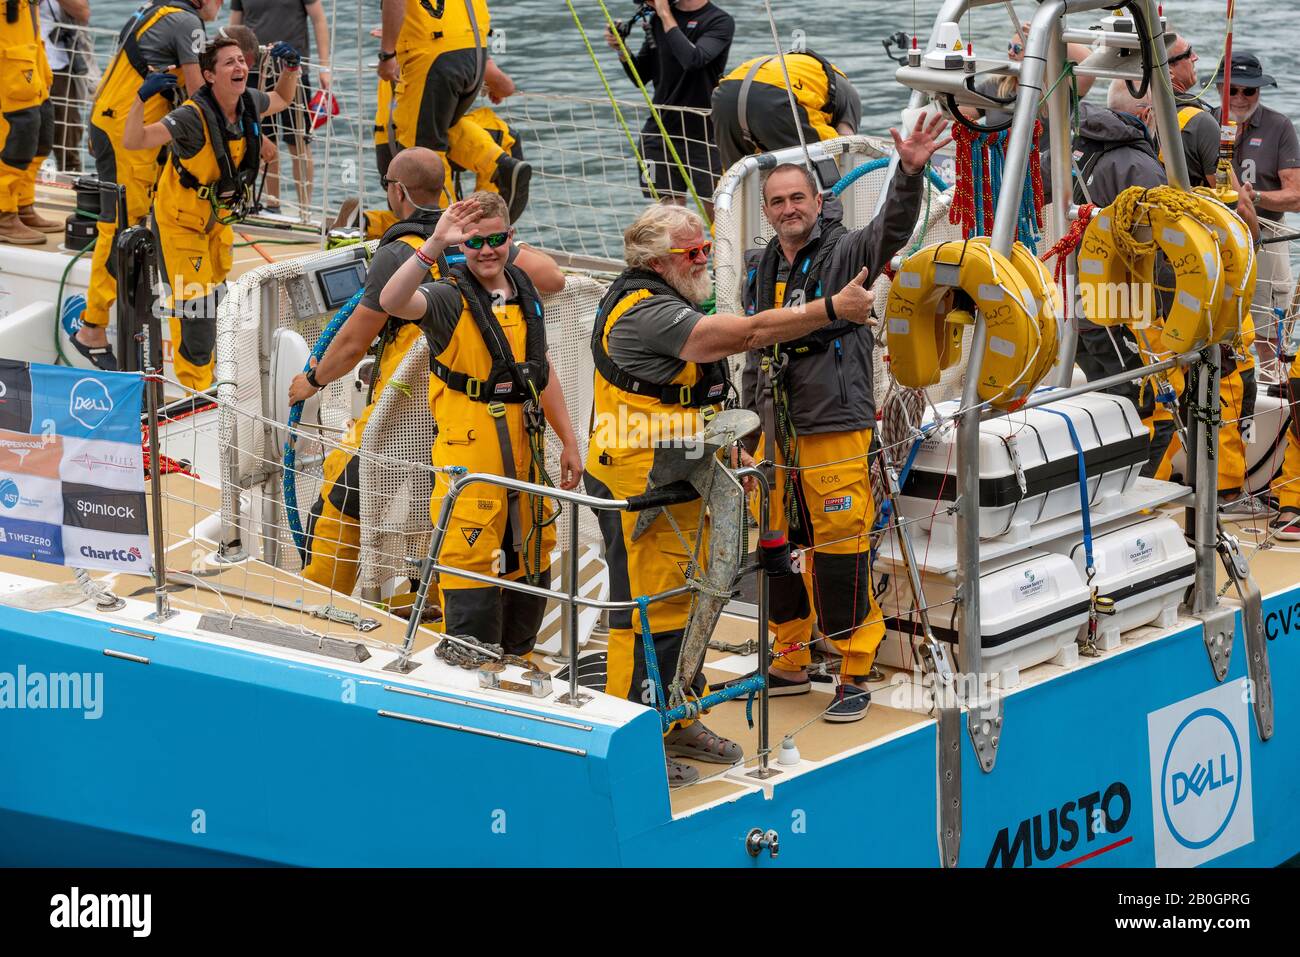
(1243, 115)
(695, 288)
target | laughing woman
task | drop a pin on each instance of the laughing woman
(206, 185)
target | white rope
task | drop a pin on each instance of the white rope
(789, 88)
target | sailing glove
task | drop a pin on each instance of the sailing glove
(156, 83)
(286, 53)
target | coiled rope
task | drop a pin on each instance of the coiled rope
(290, 478)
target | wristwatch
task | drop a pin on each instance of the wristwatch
(311, 379)
(386, 56)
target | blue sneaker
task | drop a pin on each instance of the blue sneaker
(850, 704)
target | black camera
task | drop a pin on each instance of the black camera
(644, 8)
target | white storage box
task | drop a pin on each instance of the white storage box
(1029, 469)
(1145, 568)
(1033, 608)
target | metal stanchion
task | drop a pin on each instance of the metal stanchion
(575, 697)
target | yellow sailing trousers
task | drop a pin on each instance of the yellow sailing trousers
(1233, 394)
(831, 501)
(655, 562)
(1287, 485)
(26, 113)
(195, 265)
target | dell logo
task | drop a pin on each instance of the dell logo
(1200, 781)
(90, 403)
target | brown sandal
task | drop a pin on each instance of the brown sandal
(699, 743)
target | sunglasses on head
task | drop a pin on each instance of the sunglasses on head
(1185, 55)
(1246, 91)
(495, 240)
(694, 252)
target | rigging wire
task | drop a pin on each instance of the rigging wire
(789, 87)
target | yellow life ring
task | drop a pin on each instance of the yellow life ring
(1046, 294)
(1112, 254)
(1191, 249)
(1238, 254)
(1108, 293)
(925, 336)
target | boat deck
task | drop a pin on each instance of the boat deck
(57, 202)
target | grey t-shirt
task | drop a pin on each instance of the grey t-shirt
(847, 107)
(186, 125)
(1266, 144)
(648, 339)
(274, 20)
(175, 40)
(1200, 141)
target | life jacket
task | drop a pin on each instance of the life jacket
(230, 192)
(509, 380)
(812, 77)
(128, 69)
(440, 26)
(805, 274)
(708, 388)
(1088, 152)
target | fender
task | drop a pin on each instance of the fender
(925, 336)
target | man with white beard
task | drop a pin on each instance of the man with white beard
(661, 373)
(1267, 161)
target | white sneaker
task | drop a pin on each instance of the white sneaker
(1246, 508)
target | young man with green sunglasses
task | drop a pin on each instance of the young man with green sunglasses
(492, 391)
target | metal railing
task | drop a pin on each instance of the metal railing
(459, 480)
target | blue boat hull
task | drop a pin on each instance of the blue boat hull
(214, 756)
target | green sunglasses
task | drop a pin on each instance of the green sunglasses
(495, 240)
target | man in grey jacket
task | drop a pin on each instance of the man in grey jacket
(815, 399)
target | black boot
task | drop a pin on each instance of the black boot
(511, 180)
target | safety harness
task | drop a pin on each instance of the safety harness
(509, 382)
(804, 281)
(232, 195)
(421, 226)
(710, 388)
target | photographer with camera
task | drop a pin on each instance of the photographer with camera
(684, 55)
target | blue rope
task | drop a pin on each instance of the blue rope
(692, 709)
(295, 414)
(651, 657)
(1083, 491)
(880, 162)
(977, 180)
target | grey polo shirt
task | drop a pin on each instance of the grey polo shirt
(1266, 145)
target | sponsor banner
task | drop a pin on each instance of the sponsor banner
(15, 396)
(104, 464)
(1201, 803)
(104, 510)
(37, 541)
(86, 548)
(71, 472)
(31, 499)
(25, 454)
(87, 405)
